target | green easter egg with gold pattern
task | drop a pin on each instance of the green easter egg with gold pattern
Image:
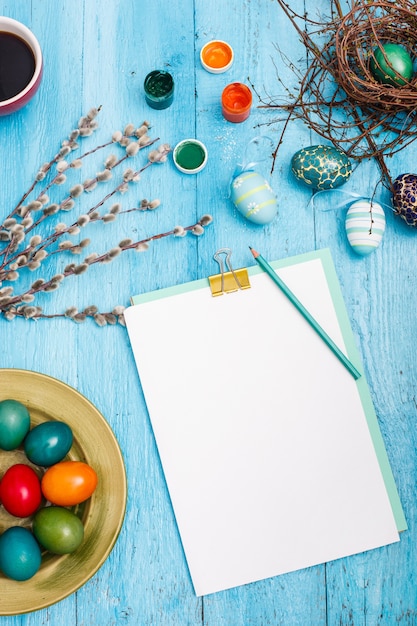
(321, 167)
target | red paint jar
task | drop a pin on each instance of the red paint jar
(236, 102)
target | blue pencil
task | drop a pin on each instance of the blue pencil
(263, 263)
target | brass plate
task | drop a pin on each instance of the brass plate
(94, 442)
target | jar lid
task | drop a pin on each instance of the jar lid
(190, 156)
(216, 56)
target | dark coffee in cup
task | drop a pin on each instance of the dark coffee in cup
(21, 65)
(17, 65)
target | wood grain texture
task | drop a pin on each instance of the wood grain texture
(98, 54)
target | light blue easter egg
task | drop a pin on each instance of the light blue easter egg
(253, 197)
(365, 226)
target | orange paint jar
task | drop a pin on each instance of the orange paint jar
(236, 102)
(216, 56)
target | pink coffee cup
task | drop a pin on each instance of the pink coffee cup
(19, 37)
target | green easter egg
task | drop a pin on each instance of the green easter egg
(391, 65)
(58, 529)
(321, 167)
(14, 424)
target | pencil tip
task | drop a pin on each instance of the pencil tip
(255, 254)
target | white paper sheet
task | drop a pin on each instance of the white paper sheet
(261, 430)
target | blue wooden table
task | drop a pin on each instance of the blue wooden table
(97, 55)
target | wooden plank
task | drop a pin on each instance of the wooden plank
(254, 29)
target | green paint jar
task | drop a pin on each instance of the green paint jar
(159, 89)
(190, 156)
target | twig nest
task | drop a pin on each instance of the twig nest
(375, 46)
(404, 198)
(321, 167)
(339, 97)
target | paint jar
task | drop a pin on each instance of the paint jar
(236, 102)
(190, 156)
(216, 56)
(159, 89)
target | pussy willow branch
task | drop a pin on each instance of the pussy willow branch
(86, 126)
(26, 243)
(75, 269)
(10, 306)
(54, 236)
(11, 253)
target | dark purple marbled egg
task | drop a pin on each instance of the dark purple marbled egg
(404, 198)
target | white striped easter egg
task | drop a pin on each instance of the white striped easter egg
(253, 197)
(365, 226)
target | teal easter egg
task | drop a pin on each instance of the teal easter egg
(14, 424)
(391, 65)
(365, 226)
(321, 167)
(48, 443)
(20, 554)
(253, 197)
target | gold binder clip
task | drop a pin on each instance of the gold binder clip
(232, 280)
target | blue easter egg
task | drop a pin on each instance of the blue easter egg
(20, 554)
(253, 197)
(365, 226)
(48, 443)
(321, 167)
